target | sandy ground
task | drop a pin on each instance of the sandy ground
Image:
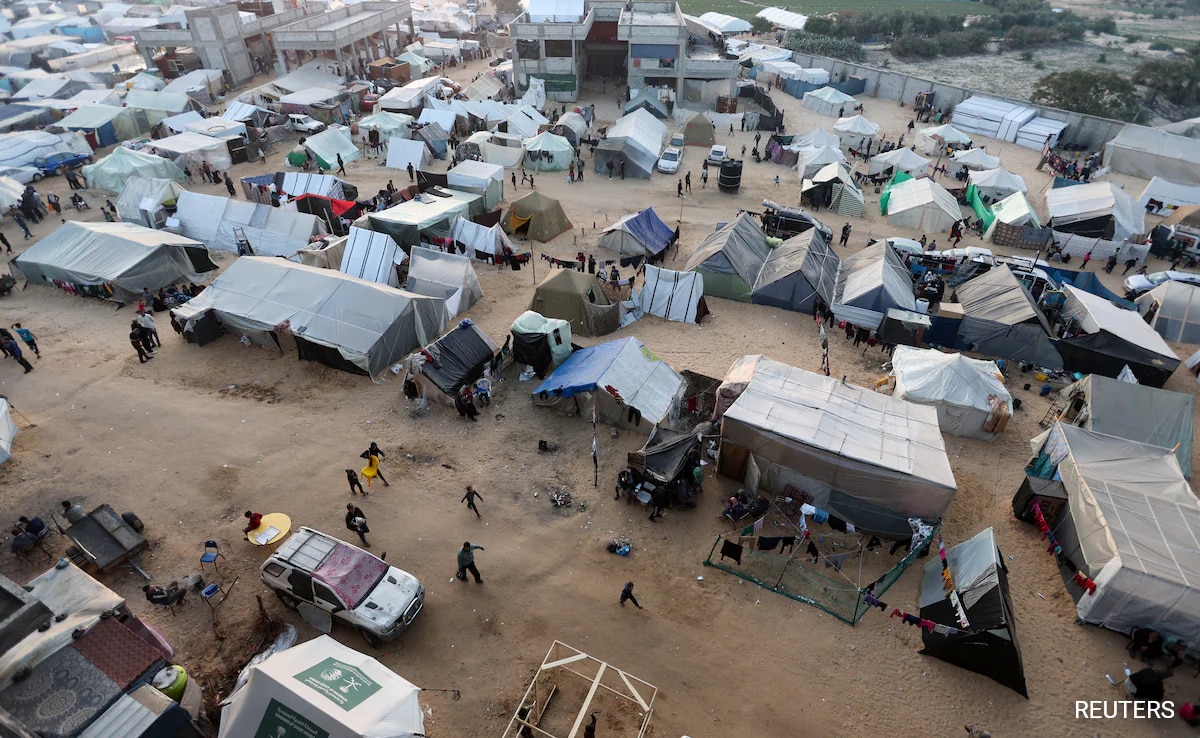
(196, 436)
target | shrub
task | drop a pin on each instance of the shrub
(1102, 59)
(914, 47)
(1026, 56)
(1107, 24)
(1160, 46)
(838, 48)
(1039, 64)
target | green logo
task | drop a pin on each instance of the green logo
(281, 721)
(342, 684)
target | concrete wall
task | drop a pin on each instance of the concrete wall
(1084, 129)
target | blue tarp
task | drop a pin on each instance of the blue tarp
(1088, 282)
(582, 370)
(648, 229)
(1064, 182)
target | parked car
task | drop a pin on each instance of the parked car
(677, 141)
(327, 579)
(304, 123)
(717, 154)
(24, 175)
(668, 163)
(61, 162)
(1139, 283)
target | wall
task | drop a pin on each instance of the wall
(1084, 129)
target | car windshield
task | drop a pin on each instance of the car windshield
(1158, 277)
(670, 156)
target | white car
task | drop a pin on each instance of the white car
(24, 175)
(304, 123)
(1140, 283)
(717, 154)
(668, 163)
(677, 141)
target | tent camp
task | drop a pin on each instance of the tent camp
(1168, 195)
(828, 101)
(1127, 410)
(322, 688)
(8, 431)
(641, 233)
(672, 295)
(738, 264)
(142, 199)
(976, 159)
(1131, 525)
(638, 137)
(869, 459)
(540, 342)
(546, 152)
(855, 131)
(270, 231)
(899, 160)
(920, 204)
(699, 131)
(870, 283)
(577, 298)
(934, 140)
(428, 215)
(111, 172)
(1013, 210)
(372, 256)
(812, 161)
(539, 217)
(401, 152)
(989, 647)
(997, 184)
(834, 184)
(571, 126)
(449, 277)
(1096, 210)
(347, 323)
(630, 385)
(454, 360)
(481, 242)
(968, 394)
(1173, 310)
(103, 124)
(328, 144)
(389, 125)
(114, 261)
(193, 149)
(1151, 152)
(1112, 338)
(1000, 318)
(480, 178)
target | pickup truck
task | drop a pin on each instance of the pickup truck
(61, 162)
(326, 579)
(304, 123)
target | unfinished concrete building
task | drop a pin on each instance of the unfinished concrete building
(353, 35)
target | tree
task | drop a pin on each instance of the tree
(1102, 94)
(760, 25)
(1177, 80)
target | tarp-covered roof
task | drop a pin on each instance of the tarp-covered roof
(644, 381)
(963, 390)
(1152, 152)
(1093, 201)
(901, 159)
(1113, 338)
(869, 284)
(999, 297)
(637, 233)
(111, 172)
(1173, 310)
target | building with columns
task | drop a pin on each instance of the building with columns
(348, 35)
(644, 44)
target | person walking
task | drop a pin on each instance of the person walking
(371, 470)
(27, 336)
(20, 221)
(679, 189)
(356, 521)
(352, 478)
(704, 178)
(687, 182)
(341, 165)
(660, 498)
(229, 186)
(470, 498)
(1130, 263)
(14, 351)
(514, 180)
(143, 335)
(1111, 264)
(412, 173)
(145, 320)
(135, 340)
(776, 180)
(7, 245)
(466, 562)
(54, 203)
(845, 239)
(1086, 258)
(627, 594)
(621, 169)
(609, 166)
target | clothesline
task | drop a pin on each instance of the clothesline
(1080, 578)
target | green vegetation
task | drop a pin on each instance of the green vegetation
(1103, 94)
(1176, 79)
(838, 48)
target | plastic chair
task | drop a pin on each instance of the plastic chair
(371, 470)
(211, 553)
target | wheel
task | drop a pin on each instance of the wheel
(133, 521)
(288, 601)
(59, 170)
(37, 177)
(372, 640)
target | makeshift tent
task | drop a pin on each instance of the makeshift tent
(1173, 310)
(179, 123)
(828, 101)
(8, 431)
(626, 383)
(428, 216)
(641, 233)
(1167, 196)
(546, 152)
(347, 323)
(648, 100)
(326, 253)
(677, 296)
(444, 118)
(855, 131)
(1128, 410)
(934, 140)
(248, 114)
(481, 242)
(699, 131)
(968, 394)
(322, 688)
(814, 139)
(726, 24)
(219, 128)
(783, 18)
(1013, 210)
(834, 184)
(402, 152)
(271, 231)
(738, 264)
(389, 125)
(1096, 210)
(142, 199)
(989, 645)
(571, 126)
(480, 178)
(540, 217)
(371, 256)
(639, 136)
(812, 161)
(106, 124)
(456, 359)
(328, 144)
(1001, 318)
(482, 88)
(920, 204)
(540, 342)
(1151, 152)
(192, 149)
(976, 159)
(869, 459)
(994, 118)
(11, 192)
(577, 298)
(899, 160)
(115, 261)
(1131, 526)
(997, 184)
(111, 172)
(870, 283)
(447, 276)
(1111, 339)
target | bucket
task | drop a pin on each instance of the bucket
(923, 306)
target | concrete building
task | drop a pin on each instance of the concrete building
(352, 34)
(645, 44)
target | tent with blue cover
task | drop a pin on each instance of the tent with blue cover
(636, 234)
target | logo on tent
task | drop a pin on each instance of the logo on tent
(281, 721)
(342, 684)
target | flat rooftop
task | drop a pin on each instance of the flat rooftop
(641, 18)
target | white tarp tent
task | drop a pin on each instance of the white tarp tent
(1172, 309)
(8, 431)
(547, 152)
(271, 231)
(1098, 209)
(1151, 152)
(11, 192)
(725, 23)
(855, 131)
(20, 148)
(218, 128)
(783, 18)
(444, 118)
(371, 256)
(968, 394)
(191, 149)
(997, 184)
(389, 125)
(141, 200)
(642, 137)
(870, 283)
(1169, 194)
(404, 151)
(482, 242)
(495, 148)
(178, 123)
(322, 688)
(447, 276)
(480, 178)
(1013, 210)
(328, 144)
(902, 159)
(812, 161)
(921, 204)
(991, 117)
(828, 101)
(934, 140)
(976, 159)
(111, 172)
(672, 295)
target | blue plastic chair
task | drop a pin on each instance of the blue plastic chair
(211, 553)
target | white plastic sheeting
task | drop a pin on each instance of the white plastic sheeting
(726, 23)
(8, 431)
(923, 205)
(547, 152)
(447, 276)
(1151, 152)
(870, 283)
(192, 149)
(1096, 200)
(389, 125)
(902, 159)
(964, 391)
(783, 18)
(404, 151)
(20, 148)
(1095, 315)
(991, 117)
(271, 231)
(976, 159)
(142, 198)
(1171, 194)
(672, 295)
(329, 143)
(855, 130)
(997, 183)
(480, 178)
(481, 242)
(933, 140)
(642, 135)
(371, 256)
(556, 330)
(1014, 210)
(812, 161)
(111, 172)
(178, 123)
(828, 101)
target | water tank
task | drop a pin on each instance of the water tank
(730, 177)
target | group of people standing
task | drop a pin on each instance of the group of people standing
(12, 350)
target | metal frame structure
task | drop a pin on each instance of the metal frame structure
(544, 685)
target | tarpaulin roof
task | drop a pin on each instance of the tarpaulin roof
(921, 204)
(997, 296)
(644, 380)
(1151, 152)
(456, 358)
(404, 151)
(328, 144)
(857, 125)
(725, 23)
(1093, 201)
(901, 159)
(1173, 310)
(1112, 339)
(961, 389)
(1097, 314)
(480, 238)
(637, 233)
(406, 221)
(642, 135)
(543, 215)
(669, 294)
(976, 159)
(8, 431)
(166, 102)
(143, 193)
(388, 124)
(372, 256)
(997, 183)
(812, 161)
(111, 172)
(869, 284)
(271, 231)
(540, 342)
(448, 276)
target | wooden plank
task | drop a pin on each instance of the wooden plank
(563, 662)
(587, 701)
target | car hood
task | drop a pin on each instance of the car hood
(1138, 283)
(390, 598)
